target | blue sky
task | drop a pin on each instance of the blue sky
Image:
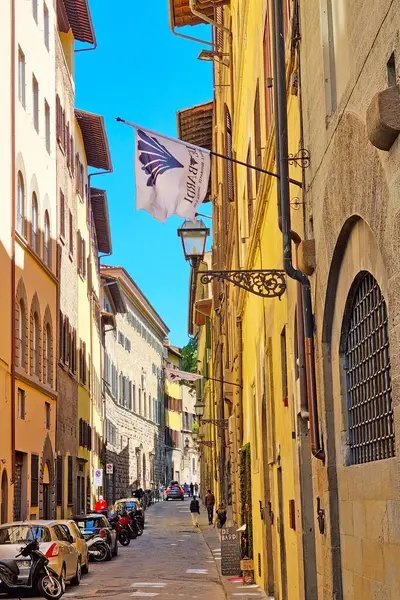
(144, 74)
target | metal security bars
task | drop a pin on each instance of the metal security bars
(370, 414)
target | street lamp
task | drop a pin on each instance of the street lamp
(267, 283)
(193, 236)
(199, 408)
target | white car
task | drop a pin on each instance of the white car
(54, 542)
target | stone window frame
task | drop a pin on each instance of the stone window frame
(21, 340)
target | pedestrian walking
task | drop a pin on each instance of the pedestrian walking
(210, 502)
(195, 511)
(191, 487)
(186, 488)
(220, 518)
(196, 489)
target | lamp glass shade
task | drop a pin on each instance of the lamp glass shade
(193, 236)
(199, 408)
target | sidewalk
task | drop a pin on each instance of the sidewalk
(233, 587)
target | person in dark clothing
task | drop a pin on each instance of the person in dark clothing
(195, 511)
(191, 487)
(209, 501)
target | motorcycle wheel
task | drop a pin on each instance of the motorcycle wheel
(124, 539)
(103, 553)
(50, 587)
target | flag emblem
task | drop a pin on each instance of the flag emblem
(155, 158)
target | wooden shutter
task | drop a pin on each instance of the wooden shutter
(34, 480)
(257, 133)
(62, 214)
(229, 154)
(70, 480)
(59, 487)
(267, 74)
(250, 191)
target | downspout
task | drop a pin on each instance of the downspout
(203, 17)
(282, 136)
(13, 308)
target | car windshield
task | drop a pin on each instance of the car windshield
(93, 523)
(21, 533)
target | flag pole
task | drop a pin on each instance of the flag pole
(234, 160)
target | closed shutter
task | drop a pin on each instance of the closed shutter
(70, 480)
(34, 480)
(59, 489)
(257, 134)
(229, 153)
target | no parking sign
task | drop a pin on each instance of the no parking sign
(98, 477)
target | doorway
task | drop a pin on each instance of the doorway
(4, 497)
(46, 493)
(281, 533)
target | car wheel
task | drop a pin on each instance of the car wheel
(78, 575)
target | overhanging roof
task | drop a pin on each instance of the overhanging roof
(79, 18)
(98, 201)
(181, 15)
(115, 292)
(95, 139)
(195, 124)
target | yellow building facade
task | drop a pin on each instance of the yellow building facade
(261, 459)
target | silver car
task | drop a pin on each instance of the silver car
(54, 542)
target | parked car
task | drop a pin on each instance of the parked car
(54, 542)
(131, 505)
(174, 492)
(79, 542)
(97, 523)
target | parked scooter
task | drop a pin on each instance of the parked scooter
(136, 523)
(41, 580)
(98, 548)
(123, 533)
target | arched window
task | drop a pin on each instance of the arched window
(20, 204)
(34, 225)
(47, 241)
(367, 367)
(21, 334)
(35, 345)
(48, 358)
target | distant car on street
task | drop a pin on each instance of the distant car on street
(174, 492)
(98, 524)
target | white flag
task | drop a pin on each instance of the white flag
(177, 375)
(171, 175)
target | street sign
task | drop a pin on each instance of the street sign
(230, 551)
(98, 477)
(109, 468)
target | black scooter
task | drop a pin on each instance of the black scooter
(42, 579)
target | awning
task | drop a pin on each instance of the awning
(98, 201)
(204, 306)
(181, 15)
(95, 139)
(195, 124)
(79, 19)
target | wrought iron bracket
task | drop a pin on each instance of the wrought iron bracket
(222, 423)
(207, 443)
(300, 159)
(267, 283)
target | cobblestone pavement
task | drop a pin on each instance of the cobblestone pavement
(172, 559)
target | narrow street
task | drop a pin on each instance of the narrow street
(170, 560)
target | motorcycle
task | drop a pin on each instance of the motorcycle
(42, 579)
(98, 548)
(123, 534)
(136, 524)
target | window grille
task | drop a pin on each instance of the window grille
(370, 414)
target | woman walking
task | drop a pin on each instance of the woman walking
(195, 511)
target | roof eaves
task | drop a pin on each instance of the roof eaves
(80, 20)
(95, 139)
(98, 201)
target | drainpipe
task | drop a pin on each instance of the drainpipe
(281, 135)
(203, 17)
(13, 309)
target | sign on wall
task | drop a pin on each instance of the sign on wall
(109, 468)
(98, 477)
(230, 551)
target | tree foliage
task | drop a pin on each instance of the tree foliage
(189, 356)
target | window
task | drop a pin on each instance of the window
(47, 241)
(35, 103)
(35, 361)
(47, 125)
(121, 338)
(71, 234)
(140, 401)
(82, 363)
(70, 480)
(21, 77)
(257, 134)
(34, 480)
(367, 368)
(34, 224)
(391, 71)
(35, 9)
(127, 344)
(20, 204)
(250, 191)
(21, 341)
(48, 366)
(48, 414)
(284, 367)
(59, 486)
(268, 74)
(46, 27)
(229, 154)
(144, 404)
(62, 215)
(21, 403)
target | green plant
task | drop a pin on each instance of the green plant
(245, 494)
(189, 356)
(195, 427)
